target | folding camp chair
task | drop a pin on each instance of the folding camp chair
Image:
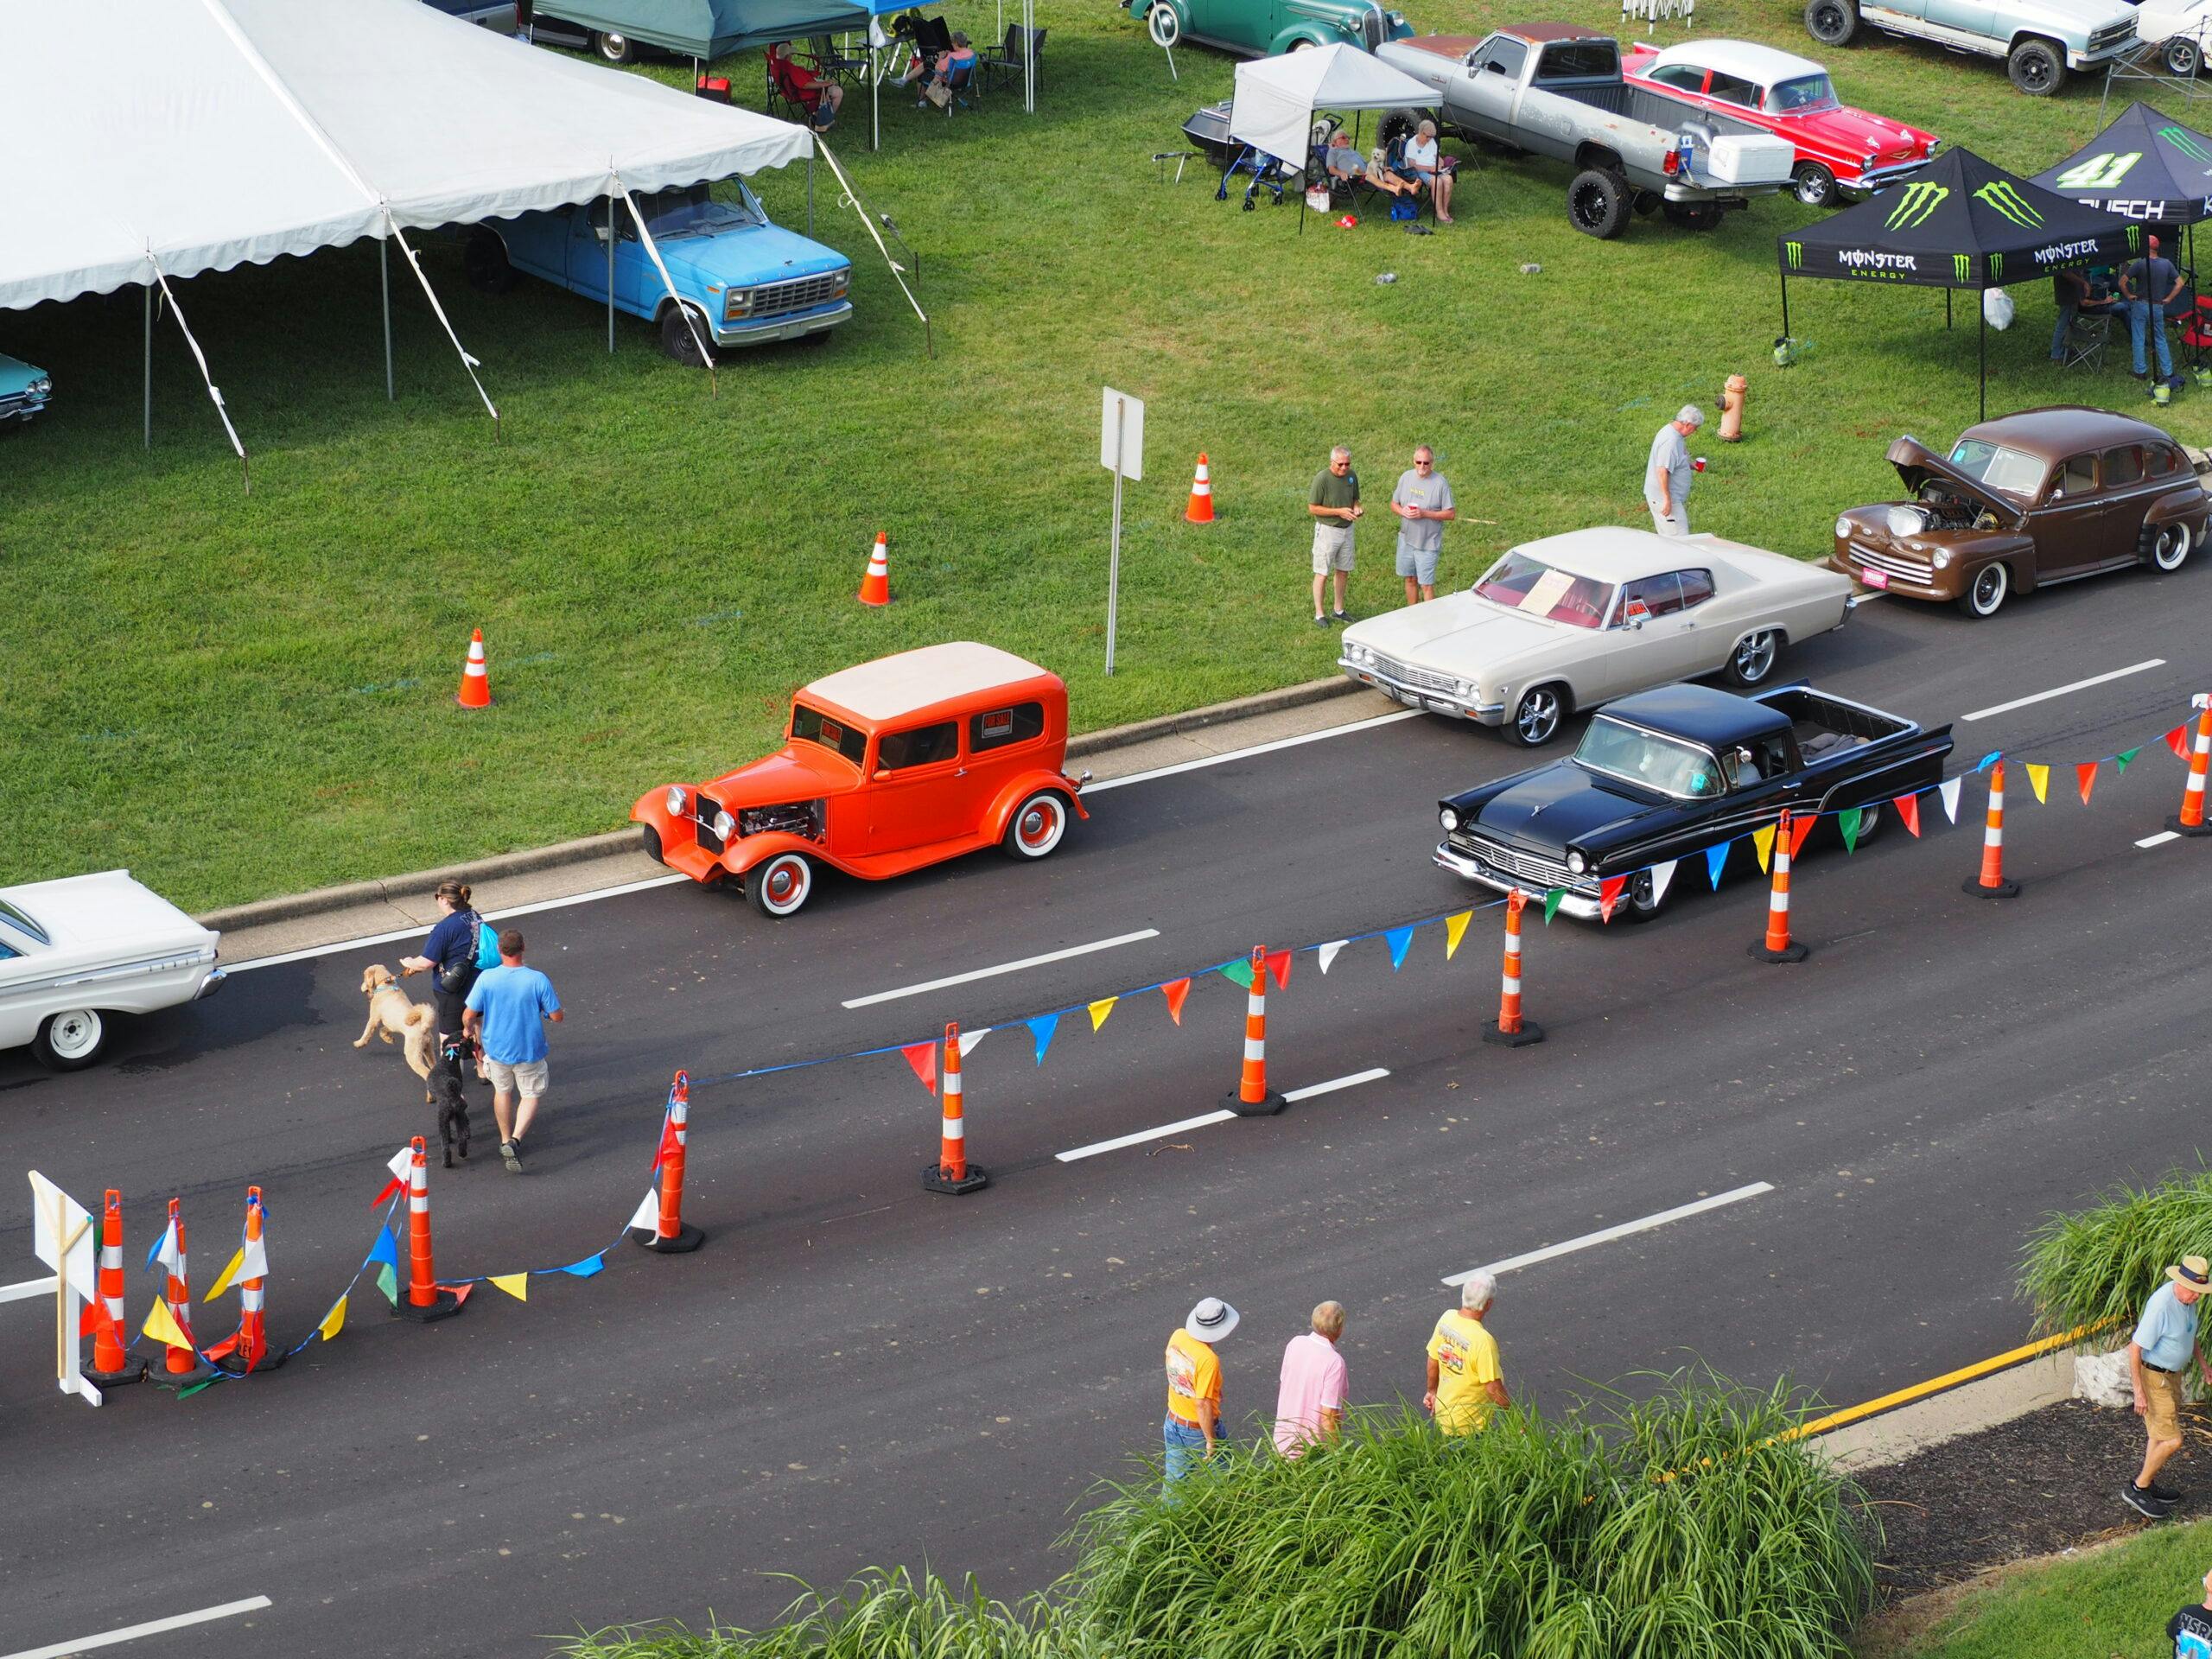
(2086, 339)
(1004, 60)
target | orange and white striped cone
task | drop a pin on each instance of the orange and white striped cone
(1200, 512)
(2191, 819)
(178, 1365)
(1251, 1098)
(1990, 883)
(112, 1365)
(1512, 1031)
(876, 585)
(669, 1233)
(1778, 945)
(475, 682)
(246, 1350)
(426, 1299)
(952, 1172)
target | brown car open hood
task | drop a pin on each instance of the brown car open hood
(1917, 465)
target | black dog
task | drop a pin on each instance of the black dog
(453, 1053)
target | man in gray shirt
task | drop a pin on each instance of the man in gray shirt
(2150, 285)
(1424, 505)
(1667, 475)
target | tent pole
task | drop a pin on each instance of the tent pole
(1029, 55)
(1981, 343)
(1946, 308)
(1785, 315)
(150, 368)
(384, 277)
(610, 276)
(874, 98)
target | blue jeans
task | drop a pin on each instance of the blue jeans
(2058, 334)
(2141, 313)
(1186, 1451)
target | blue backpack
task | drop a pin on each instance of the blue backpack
(487, 946)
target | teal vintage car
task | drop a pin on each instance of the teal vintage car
(24, 390)
(1260, 29)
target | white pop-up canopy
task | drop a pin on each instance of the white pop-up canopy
(1276, 97)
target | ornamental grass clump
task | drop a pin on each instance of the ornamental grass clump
(2090, 1270)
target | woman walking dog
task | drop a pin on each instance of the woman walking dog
(453, 956)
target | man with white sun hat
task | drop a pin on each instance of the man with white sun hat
(1192, 1428)
(2159, 1354)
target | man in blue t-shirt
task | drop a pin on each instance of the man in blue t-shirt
(507, 1010)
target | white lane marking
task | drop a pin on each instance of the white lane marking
(2160, 839)
(1089, 790)
(1003, 968)
(422, 929)
(2060, 690)
(1608, 1235)
(1165, 1130)
(27, 1289)
(151, 1627)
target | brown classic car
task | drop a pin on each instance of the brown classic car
(2041, 497)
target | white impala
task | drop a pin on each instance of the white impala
(76, 950)
(1571, 621)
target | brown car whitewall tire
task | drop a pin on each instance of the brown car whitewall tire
(2165, 547)
(1986, 591)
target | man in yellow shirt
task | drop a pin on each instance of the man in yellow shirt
(1466, 1382)
(1193, 1424)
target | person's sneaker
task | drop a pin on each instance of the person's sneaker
(1340, 617)
(2166, 1494)
(2140, 374)
(511, 1155)
(2144, 1503)
(1320, 621)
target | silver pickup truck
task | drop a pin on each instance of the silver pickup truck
(1557, 90)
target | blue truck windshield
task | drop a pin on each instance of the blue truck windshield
(692, 211)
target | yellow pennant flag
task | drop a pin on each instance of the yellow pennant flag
(223, 1279)
(1455, 929)
(1763, 842)
(334, 1321)
(2039, 781)
(516, 1285)
(1099, 1009)
(160, 1324)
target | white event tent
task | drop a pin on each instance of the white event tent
(1276, 97)
(248, 128)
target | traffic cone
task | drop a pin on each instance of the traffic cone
(952, 1172)
(2192, 821)
(1991, 882)
(111, 1365)
(1251, 1098)
(876, 586)
(1777, 946)
(475, 685)
(179, 1365)
(1512, 1031)
(426, 1297)
(1200, 512)
(669, 1234)
(246, 1350)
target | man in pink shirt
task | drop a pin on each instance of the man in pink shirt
(1310, 1401)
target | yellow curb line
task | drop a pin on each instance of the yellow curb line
(1950, 1380)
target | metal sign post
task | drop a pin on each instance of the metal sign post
(1121, 451)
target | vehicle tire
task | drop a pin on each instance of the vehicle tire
(2181, 58)
(1597, 203)
(780, 885)
(71, 1040)
(1987, 592)
(1536, 718)
(1832, 22)
(1037, 826)
(2165, 547)
(1638, 905)
(676, 338)
(1165, 25)
(1870, 823)
(615, 49)
(1397, 125)
(1752, 660)
(1298, 46)
(1815, 185)
(484, 259)
(1692, 216)
(648, 838)
(2038, 68)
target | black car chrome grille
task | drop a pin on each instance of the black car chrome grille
(1530, 868)
(1425, 679)
(1912, 569)
(802, 294)
(707, 810)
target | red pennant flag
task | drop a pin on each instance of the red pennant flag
(2177, 741)
(1799, 828)
(1279, 967)
(1908, 808)
(922, 1057)
(1175, 990)
(2087, 773)
(1608, 894)
(395, 1185)
(459, 1293)
(667, 1143)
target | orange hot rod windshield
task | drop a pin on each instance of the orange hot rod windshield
(812, 725)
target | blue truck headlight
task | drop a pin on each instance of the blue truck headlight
(844, 282)
(737, 303)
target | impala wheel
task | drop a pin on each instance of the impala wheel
(1754, 657)
(2167, 545)
(70, 1041)
(1815, 185)
(779, 887)
(1536, 716)
(1037, 825)
(1991, 583)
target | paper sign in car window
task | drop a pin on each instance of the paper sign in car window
(1545, 591)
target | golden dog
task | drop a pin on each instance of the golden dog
(391, 1013)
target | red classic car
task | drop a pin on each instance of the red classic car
(900, 763)
(1843, 154)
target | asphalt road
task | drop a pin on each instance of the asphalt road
(853, 1372)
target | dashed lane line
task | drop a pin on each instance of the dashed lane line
(1200, 1122)
(1606, 1236)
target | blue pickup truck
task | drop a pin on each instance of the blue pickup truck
(23, 391)
(746, 280)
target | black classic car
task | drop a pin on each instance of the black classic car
(1668, 773)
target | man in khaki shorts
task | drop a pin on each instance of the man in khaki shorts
(1335, 509)
(507, 1010)
(2158, 1357)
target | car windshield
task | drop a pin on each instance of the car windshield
(1649, 760)
(696, 212)
(22, 923)
(1533, 588)
(1806, 92)
(1998, 467)
(812, 725)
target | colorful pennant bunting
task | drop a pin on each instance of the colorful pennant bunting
(646, 1217)
(1398, 939)
(667, 1143)
(1908, 808)
(969, 1038)
(1328, 953)
(2085, 778)
(461, 1292)
(383, 1250)
(1662, 877)
(164, 1252)
(1553, 896)
(1455, 929)
(2177, 741)
(1762, 844)
(2039, 781)
(334, 1321)
(1238, 972)
(585, 1269)
(1279, 967)
(922, 1057)
(2127, 756)
(223, 1279)
(1801, 825)
(1848, 821)
(1949, 791)
(1715, 858)
(388, 1282)
(1040, 1032)
(1099, 1009)
(1175, 990)
(1989, 760)
(401, 1166)
(160, 1324)
(516, 1285)
(1608, 894)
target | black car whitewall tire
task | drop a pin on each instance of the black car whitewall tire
(1751, 662)
(1597, 203)
(1832, 22)
(1535, 716)
(1639, 899)
(2166, 546)
(779, 887)
(1870, 823)
(1815, 185)
(1986, 593)
(2038, 68)
(71, 1040)
(1037, 826)
(615, 49)
(1165, 25)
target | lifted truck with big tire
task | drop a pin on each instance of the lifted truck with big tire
(2038, 40)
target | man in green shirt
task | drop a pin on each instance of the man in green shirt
(1335, 509)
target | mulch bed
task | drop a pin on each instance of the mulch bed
(2029, 1487)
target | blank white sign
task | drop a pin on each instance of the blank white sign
(1126, 413)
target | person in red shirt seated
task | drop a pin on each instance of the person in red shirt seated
(802, 86)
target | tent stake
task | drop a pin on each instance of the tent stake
(384, 274)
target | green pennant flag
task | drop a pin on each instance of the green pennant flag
(1551, 903)
(1847, 821)
(1239, 971)
(186, 1394)
(388, 1282)
(2129, 756)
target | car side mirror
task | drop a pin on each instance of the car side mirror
(881, 773)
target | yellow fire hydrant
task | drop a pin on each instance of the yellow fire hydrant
(1732, 408)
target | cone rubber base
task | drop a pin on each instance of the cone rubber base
(1792, 951)
(161, 1378)
(2181, 829)
(134, 1371)
(460, 701)
(935, 1180)
(1974, 889)
(232, 1365)
(445, 1307)
(1530, 1032)
(687, 1238)
(1234, 1100)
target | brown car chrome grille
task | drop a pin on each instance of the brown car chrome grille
(1912, 569)
(1427, 679)
(1537, 871)
(781, 299)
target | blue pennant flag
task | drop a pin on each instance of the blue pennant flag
(383, 1250)
(585, 1269)
(1715, 859)
(1398, 939)
(1989, 760)
(1041, 1028)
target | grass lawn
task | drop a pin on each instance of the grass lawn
(2110, 1604)
(238, 695)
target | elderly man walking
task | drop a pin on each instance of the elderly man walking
(1466, 1381)
(1310, 1399)
(1667, 475)
(2158, 1356)
(1335, 511)
(1424, 504)
(1192, 1430)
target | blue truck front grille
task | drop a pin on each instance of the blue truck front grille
(801, 293)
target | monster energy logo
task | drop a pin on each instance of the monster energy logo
(1915, 202)
(1794, 253)
(1996, 267)
(1961, 267)
(2003, 195)
(2186, 142)
(2134, 238)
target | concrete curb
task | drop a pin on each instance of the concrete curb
(293, 908)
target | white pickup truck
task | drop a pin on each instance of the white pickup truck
(1556, 89)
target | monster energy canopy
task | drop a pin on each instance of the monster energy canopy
(2144, 166)
(1964, 223)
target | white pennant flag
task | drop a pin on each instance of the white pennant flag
(1329, 953)
(168, 1255)
(257, 1261)
(969, 1038)
(402, 1164)
(1660, 875)
(648, 1217)
(1949, 792)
